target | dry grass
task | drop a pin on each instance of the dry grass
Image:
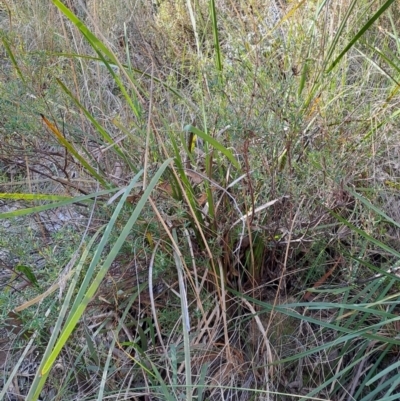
(270, 263)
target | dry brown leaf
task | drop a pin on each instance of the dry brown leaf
(166, 187)
(202, 199)
(196, 178)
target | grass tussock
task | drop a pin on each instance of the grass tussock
(199, 200)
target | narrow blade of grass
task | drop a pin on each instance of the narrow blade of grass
(68, 201)
(12, 58)
(361, 32)
(60, 137)
(34, 197)
(103, 52)
(217, 48)
(104, 134)
(39, 379)
(74, 318)
(370, 206)
(214, 143)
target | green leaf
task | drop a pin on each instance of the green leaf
(68, 201)
(34, 196)
(217, 48)
(70, 147)
(361, 32)
(73, 320)
(365, 235)
(105, 135)
(214, 143)
(28, 273)
(370, 206)
(12, 58)
(106, 55)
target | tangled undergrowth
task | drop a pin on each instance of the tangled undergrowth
(199, 200)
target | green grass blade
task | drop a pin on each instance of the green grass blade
(112, 345)
(72, 322)
(104, 241)
(68, 201)
(287, 309)
(387, 59)
(14, 373)
(378, 67)
(34, 197)
(337, 376)
(141, 73)
(375, 128)
(201, 383)
(189, 192)
(39, 380)
(217, 48)
(106, 56)
(185, 321)
(12, 58)
(383, 373)
(361, 32)
(71, 149)
(104, 134)
(214, 143)
(96, 43)
(370, 206)
(366, 236)
(340, 30)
